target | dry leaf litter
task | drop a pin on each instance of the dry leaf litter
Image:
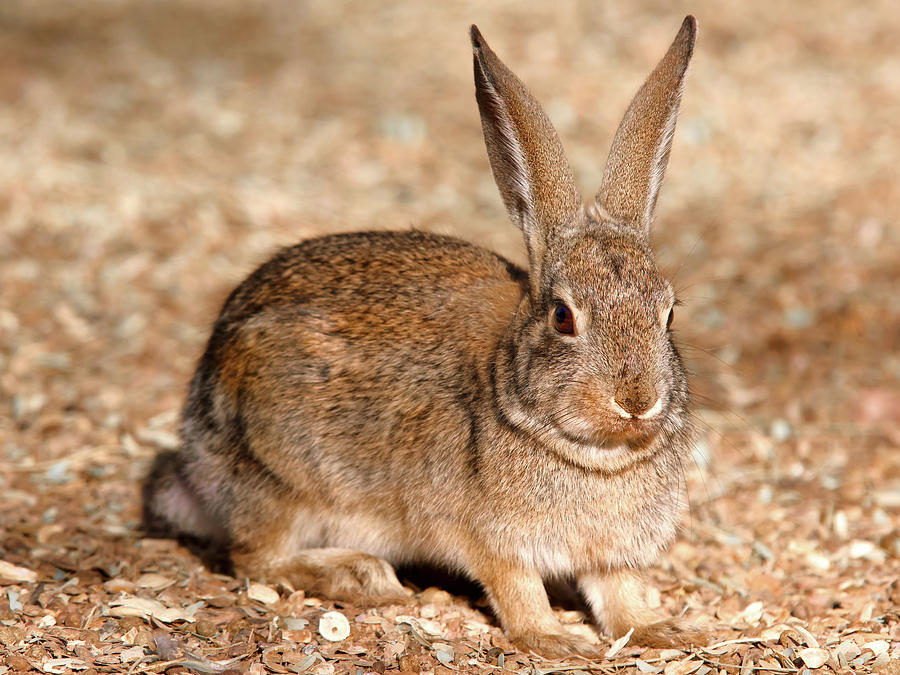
(154, 153)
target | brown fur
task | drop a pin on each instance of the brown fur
(403, 397)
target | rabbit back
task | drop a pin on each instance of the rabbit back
(343, 368)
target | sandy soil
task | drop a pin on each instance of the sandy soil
(153, 154)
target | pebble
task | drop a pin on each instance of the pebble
(435, 596)
(780, 430)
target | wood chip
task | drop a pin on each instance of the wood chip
(813, 657)
(59, 666)
(12, 572)
(808, 638)
(645, 667)
(262, 593)
(155, 582)
(617, 646)
(669, 654)
(846, 651)
(135, 653)
(684, 667)
(878, 647)
(146, 608)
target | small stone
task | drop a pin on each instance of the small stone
(58, 473)
(13, 598)
(333, 626)
(443, 653)
(780, 430)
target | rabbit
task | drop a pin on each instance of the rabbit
(379, 398)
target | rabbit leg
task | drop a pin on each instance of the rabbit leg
(618, 601)
(335, 573)
(518, 597)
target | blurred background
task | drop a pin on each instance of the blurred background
(152, 154)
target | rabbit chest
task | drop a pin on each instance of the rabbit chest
(561, 519)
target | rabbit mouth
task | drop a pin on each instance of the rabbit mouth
(631, 434)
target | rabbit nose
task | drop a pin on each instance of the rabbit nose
(636, 399)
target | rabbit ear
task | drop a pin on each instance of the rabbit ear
(527, 159)
(640, 150)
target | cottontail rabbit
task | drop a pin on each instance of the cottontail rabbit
(409, 397)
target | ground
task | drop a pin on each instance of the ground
(153, 153)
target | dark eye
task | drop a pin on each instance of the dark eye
(563, 320)
(669, 318)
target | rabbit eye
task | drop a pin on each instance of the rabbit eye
(669, 318)
(563, 320)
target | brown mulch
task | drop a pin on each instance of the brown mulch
(153, 153)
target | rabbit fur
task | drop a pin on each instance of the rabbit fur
(380, 398)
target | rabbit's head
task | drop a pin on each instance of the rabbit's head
(590, 364)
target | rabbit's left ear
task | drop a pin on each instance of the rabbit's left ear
(640, 150)
(527, 159)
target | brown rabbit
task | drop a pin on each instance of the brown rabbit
(412, 398)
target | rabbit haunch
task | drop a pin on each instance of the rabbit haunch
(379, 398)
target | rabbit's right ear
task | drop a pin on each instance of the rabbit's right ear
(640, 150)
(527, 159)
